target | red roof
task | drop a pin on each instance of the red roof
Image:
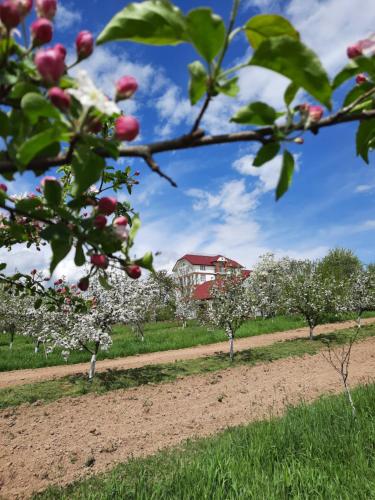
(207, 260)
(203, 291)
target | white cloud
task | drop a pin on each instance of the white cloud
(364, 188)
(268, 174)
(67, 16)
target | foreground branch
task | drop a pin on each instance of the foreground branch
(195, 140)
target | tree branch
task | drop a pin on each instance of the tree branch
(263, 135)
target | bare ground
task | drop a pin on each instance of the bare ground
(53, 444)
(19, 377)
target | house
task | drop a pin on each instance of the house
(199, 272)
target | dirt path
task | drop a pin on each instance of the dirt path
(52, 443)
(19, 377)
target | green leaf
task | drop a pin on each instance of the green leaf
(60, 239)
(2, 266)
(153, 22)
(104, 282)
(35, 105)
(349, 71)
(22, 88)
(286, 175)
(38, 303)
(365, 134)
(266, 153)
(87, 168)
(206, 31)
(229, 88)
(290, 93)
(255, 113)
(293, 59)
(31, 147)
(146, 261)
(198, 81)
(79, 258)
(264, 26)
(356, 92)
(53, 193)
(4, 124)
(136, 224)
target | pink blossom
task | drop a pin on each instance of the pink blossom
(50, 64)
(100, 221)
(107, 205)
(133, 271)
(41, 31)
(99, 260)
(10, 14)
(59, 98)
(126, 87)
(126, 128)
(46, 8)
(84, 44)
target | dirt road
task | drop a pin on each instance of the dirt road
(19, 377)
(42, 445)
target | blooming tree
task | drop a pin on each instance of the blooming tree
(361, 293)
(310, 293)
(51, 120)
(229, 306)
(265, 286)
(186, 307)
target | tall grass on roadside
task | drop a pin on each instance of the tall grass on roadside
(314, 452)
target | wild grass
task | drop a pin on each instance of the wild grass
(110, 380)
(315, 451)
(161, 336)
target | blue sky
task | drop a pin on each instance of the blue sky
(222, 204)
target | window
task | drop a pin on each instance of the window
(203, 268)
(203, 278)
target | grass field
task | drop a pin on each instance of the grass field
(123, 379)
(313, 452)
(158, 337)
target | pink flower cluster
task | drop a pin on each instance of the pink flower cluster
(313, 113)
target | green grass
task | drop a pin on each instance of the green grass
(314, 452)
(161, 336)
(110, 380)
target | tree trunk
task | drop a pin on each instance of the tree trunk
(36, 350)
(359, 321)
(349, 396)
(311, 335)
(92, 367)
(231, 346)
(11, 345)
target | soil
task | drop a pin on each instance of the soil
(20, 377)
(72, 438)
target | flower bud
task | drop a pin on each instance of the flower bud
(126, 87)
(84, 44)
(41, 31)
(99, 260)
(50, 64)
(84, 283)
(126, 128)
(354, 51)
(10, 14)
(315, 113)
(120, 221)
(133, 271)
(24, 7)
(59, 98)
(100, 221)
(59, 47)
(107, 205)
(361, 78)
(33, 272)
(46, 8)
(3, 187)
